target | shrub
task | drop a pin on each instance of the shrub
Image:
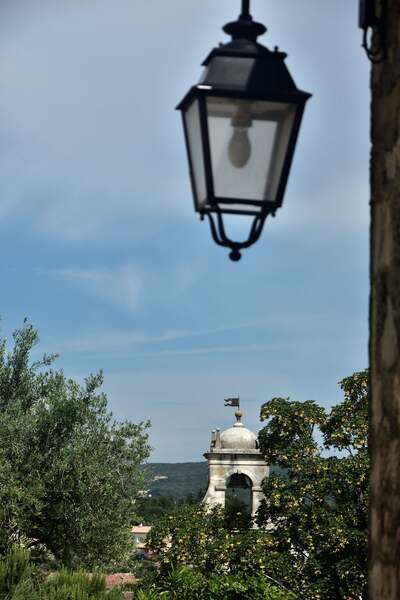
(17, 576)
(183, 583)
(19, 580)
(69, 585)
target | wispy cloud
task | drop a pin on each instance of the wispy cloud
(80, 138)
(121, 286)
(206, 350)
(119, 341)
(91, 146)
(308, 347)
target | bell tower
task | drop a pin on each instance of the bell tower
(235, 466)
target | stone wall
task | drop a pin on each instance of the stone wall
(385, 317)
(223, 464)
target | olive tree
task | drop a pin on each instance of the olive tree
(69, 472)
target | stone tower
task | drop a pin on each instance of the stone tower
(235, 461)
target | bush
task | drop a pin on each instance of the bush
(17, 576)
(69, 585)
(183, 583)
(20, 581)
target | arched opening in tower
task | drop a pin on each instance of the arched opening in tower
(239, 500)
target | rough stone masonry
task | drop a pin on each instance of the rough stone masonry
(384, 575)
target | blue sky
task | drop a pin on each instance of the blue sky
(101, 247)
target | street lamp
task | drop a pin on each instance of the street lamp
(241, 123)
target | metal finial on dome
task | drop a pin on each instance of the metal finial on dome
(238, 415)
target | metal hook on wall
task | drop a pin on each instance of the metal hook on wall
(371, 15)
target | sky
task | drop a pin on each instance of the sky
(101, 248)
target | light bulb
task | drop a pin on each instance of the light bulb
(239, 148)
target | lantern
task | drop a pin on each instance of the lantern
(241, 123)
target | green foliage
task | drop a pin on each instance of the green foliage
(315, 502)
(69, 585)
(289, 433)
(318, 507)
(150, 510)
(16, 575)
(205, 539)
(237, 514)
(177, 480)
(19, 580)
(69, 473)
(190, 534)
(150, 594)
(183, 583)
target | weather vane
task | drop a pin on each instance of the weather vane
(232, 402)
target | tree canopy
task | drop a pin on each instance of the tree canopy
(69, 472)
(312, 536)
(318, 507)
(209, 541)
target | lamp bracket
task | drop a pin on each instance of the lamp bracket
(219, 235)
(370, 20)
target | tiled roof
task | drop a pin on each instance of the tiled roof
(140, 529)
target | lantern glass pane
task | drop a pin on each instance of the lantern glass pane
(248, 144)
(195, 150)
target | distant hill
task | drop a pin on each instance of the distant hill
(177, 480)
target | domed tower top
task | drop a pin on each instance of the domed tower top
(235, 456)
(235, 439)
(238, 437)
